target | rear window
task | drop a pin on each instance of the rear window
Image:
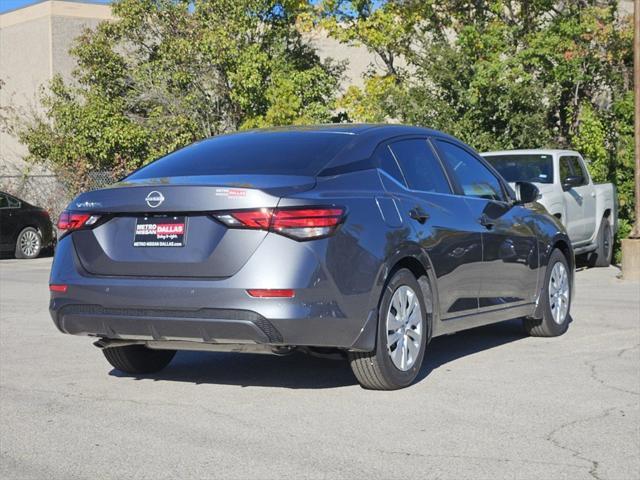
(523, 168)
(275, 153)
(421, 168)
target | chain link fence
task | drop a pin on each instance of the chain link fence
(52, 192)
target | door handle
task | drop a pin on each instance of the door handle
(486, 222)
(418, 215)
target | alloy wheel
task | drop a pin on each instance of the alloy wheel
(559, 293)
(29, 243)
(404, 328)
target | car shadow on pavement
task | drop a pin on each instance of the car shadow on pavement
(300, 371)
(448, 348)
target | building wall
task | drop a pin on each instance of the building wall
(358, 58)
(24, 65)
(34, 46)
(64, 30)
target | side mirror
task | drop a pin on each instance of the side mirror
(571, 181)
(526, 192)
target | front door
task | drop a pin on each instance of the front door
(573, 203)
(587, 192)
(9, 209)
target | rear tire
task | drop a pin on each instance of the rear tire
(138, 358)
(553, 299)
(390, 367)
(28, 244)
(602, 256)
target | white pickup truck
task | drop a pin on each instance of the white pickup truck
(588, 211)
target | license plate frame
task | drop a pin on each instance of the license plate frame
(157, 232)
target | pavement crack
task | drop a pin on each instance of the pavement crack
(594, 465)
(591, 364)
(625, 350)
(482, 458)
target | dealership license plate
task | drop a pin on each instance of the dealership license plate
(160, 232)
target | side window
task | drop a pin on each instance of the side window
(565, 168)
(475, 178)
(388, 163)
(578, 170)
(4, 202)
(420, 167)
(12, 202)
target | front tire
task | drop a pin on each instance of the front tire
(555, 300)
(28, 244)
(403, 332)
(138, 359)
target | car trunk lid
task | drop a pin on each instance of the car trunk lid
(164, 228)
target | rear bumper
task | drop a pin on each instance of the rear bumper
(219, 310)
(213, 325)
(205, 325)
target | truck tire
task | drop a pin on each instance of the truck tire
(138, 358)
(555, 300)
(602, 256)
(401, 339)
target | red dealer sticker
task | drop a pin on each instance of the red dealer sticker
(231, 192)
(160, 232)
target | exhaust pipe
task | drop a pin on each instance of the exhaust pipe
(110, 343)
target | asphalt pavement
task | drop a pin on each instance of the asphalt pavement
(491, 403)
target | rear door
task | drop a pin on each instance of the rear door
(440, 222)
(509, 245)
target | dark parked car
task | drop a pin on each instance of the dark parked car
(25, 230)
(366, 239)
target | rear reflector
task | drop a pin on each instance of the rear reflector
(75, 220)
(303, 223)
(58, 288)
(271, 293)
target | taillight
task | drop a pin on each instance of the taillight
(306, 223)
(75, 220)
(300, 223)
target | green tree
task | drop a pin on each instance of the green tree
(165, 73)
(501, 74)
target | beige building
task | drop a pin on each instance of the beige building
(34, 46)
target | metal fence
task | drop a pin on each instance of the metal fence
(52, 192)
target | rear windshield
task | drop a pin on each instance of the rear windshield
(523, 168)
(275, 153)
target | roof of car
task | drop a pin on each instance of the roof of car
(531, 151)
(350, 128)
(366, 136)
(357, 144)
